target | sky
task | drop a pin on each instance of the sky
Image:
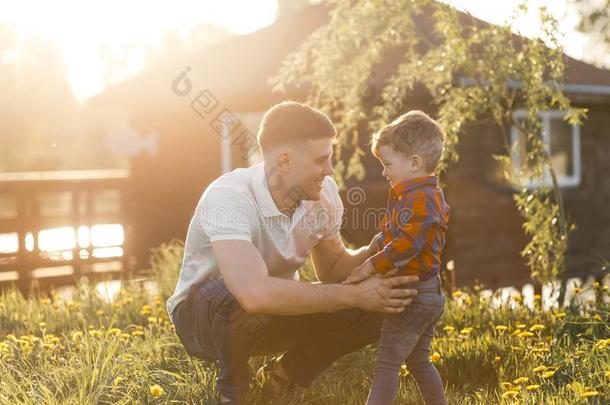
(81, 29)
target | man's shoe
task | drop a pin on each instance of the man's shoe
(276, 384)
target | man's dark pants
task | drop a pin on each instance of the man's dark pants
(212, 326)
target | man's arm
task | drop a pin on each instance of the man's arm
(247, 278)
(333, 262)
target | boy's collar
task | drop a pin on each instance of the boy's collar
(408, 185)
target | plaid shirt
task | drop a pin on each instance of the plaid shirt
(413, 229)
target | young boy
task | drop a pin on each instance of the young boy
(411, 240)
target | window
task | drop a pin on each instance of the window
(562, 143)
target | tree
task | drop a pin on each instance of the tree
(473, 71)
(595, 22)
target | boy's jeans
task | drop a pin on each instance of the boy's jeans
(212, 326)
(406, 337)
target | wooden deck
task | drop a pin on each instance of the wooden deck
(72, 202)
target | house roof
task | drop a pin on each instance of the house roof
(237, 71)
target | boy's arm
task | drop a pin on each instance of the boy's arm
(405, 245)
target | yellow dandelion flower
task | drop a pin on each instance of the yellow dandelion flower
(597, 317)
(435, 357)
(520, 380)
(137, 333)
(42, 325)
(510, 394)
(525, 334)
(152, 320)
(448, 329)
(537, 297)
(532, 387)
(114, 331)
(95, 333)
(72, 304)
(595, 284)
(501, 328)
(560, 314)
(99, 312)
(537, 327)
(577, 290)
(506, 385)
(517, 298)
(588, 394)
(404, 371)
(146, 310)
(497, 359)
(466, 331)
(457, 294)
(548, 374)
(602, 343)
(77, 336)
(520, 325)
(156, 390)
(11, 337)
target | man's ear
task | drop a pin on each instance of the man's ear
(284, 160)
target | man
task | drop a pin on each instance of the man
(239, 292)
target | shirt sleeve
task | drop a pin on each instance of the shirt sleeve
(334, 213)
(225, 214)
(406, 244)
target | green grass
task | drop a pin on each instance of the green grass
(86, 351)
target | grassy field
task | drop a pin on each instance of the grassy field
(88, 351)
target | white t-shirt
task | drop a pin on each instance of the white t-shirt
(239, 206)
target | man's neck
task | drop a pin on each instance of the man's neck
(282, 197)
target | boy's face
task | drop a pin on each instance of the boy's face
(397, 167)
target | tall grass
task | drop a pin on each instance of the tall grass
(89, 351)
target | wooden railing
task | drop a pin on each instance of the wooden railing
(31, 202)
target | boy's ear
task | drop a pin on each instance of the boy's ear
(417, 162)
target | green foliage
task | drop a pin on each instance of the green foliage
(473, 72)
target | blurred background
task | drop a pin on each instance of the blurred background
(115, 116)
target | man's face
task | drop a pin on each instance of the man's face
(311, 163)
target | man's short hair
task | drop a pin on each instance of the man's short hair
(412, 133)
(290, 122)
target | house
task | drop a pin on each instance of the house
(205, 110)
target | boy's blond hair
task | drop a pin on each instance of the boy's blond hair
(412, 133)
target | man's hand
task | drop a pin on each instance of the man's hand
(362, 272)
(384, 295)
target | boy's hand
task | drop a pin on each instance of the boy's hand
(373, 248)
(362, 272)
